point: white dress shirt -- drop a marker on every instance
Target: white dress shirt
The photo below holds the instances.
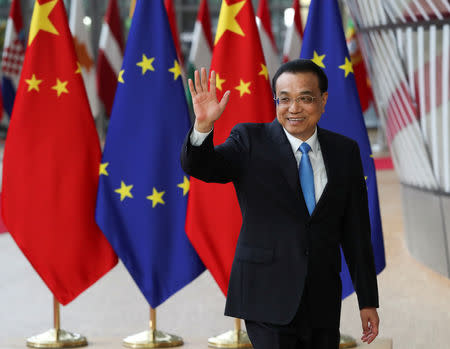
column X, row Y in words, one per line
column 315, row 156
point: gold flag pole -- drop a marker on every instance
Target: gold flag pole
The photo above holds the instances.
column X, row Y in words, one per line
column 56, row 337
column 236, row 338
column 132, row 7
column 347, row 341
column 152, row 338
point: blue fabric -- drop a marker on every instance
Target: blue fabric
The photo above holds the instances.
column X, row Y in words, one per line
column 148, row 124
column 306, row 175
column 324, row 34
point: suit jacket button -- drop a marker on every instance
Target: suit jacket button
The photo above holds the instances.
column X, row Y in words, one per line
column 306, row 252
column 308, row 225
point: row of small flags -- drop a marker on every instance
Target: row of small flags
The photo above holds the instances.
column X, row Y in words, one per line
column 72, row 210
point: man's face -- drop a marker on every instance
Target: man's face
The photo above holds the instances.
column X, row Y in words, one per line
column 297, row 117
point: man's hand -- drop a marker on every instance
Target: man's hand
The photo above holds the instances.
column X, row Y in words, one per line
column 370, row 322
column 206, row 107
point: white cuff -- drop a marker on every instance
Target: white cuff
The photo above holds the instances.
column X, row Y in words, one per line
column 197, row 138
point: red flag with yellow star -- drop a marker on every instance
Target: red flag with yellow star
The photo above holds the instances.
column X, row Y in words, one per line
column 51, row 163
column 214, row 218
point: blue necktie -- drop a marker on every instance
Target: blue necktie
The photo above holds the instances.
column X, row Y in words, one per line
column 307, row 177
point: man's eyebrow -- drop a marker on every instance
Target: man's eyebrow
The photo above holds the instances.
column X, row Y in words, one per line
column 307, row 92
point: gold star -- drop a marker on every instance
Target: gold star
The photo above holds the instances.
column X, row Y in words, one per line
column 318, row 60
column 146, row 64
column 103, row 169
column 78, row 71
column 156, row 197
column 347, row 67
column 120, row 77
column 219, row 82
column 185, row 185
column 365, row 177
column 60, row 87
column 176, row 70
column 227, row 19
column 124, row 191
column 243, row 87
column 264, row 71
column 40, row 20
column 33, row 83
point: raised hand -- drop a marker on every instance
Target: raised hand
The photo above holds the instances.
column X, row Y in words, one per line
column 206, row 107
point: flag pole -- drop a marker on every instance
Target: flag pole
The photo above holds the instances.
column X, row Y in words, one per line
column 152, row 338
column 236, row 338
column 56, row 337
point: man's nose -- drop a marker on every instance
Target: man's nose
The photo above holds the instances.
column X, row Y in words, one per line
column 295, row 107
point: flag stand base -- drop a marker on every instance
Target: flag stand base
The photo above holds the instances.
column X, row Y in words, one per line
column 152, row 339
column 54, row 338
column 230, row 339
column 346, row 342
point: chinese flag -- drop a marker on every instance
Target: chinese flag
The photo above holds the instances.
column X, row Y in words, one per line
column 214, row 218
column 51, row 163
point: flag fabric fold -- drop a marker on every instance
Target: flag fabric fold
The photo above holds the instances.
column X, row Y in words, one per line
column 142, row 196
column 267, row 39
column 170, row 8
column 294, row 35
column 83, row 47
column 324, row 43
column 110, row 56
column 51, row 163
column 13, row 55
column 245, row 75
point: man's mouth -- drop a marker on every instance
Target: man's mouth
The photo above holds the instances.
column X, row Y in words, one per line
column 296, row 119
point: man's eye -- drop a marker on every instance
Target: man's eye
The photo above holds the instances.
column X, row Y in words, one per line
column 306, row 99
column 285, row 100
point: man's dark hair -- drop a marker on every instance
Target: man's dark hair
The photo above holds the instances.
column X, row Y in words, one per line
column 302, row 66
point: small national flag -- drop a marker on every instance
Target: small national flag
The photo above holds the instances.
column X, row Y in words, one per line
column 82, row 42
column 13, row 55
column 294, row 35
column 110, row 56
column 202, row 44
column 142, row 196
column 324, row 43
column 245, row 75
column 267, row 38
column 51, row 163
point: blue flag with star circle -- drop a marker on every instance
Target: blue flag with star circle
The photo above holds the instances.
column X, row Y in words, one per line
column 324, row 43
column 142, row 193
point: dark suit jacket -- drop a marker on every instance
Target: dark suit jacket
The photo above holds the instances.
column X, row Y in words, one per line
column 281, row 248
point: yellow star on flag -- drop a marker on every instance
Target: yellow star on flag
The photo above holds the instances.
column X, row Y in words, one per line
column 40, row 20
column 33, row 83
column 219, row 82
column 120, row 77
column 227, row 19
column 102, row 170
column 60, row 87
column 124, row 191
column 185, row 185
column 264, row 71
column 146, row 63
column 244, row 87
column 78, row 71
column 318, row 59
column 347, row 67
column 176, row 70
column 365, row 177
column 156, row 197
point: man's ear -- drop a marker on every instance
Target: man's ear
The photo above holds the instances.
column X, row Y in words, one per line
column 324, row 100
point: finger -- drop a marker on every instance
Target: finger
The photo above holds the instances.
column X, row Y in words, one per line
column 223, row 102
column 191, row 88
column 198, row 86
column 212, row 83
column 204, row 80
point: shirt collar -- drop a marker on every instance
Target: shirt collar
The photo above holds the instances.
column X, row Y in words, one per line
column 296, row 142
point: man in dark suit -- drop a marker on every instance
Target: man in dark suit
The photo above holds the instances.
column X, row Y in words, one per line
column 302, row 195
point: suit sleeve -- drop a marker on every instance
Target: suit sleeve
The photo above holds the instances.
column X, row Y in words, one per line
column 356, row 242
column 220, row 164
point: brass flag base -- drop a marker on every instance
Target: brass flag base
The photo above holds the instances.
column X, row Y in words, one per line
column 152, row 339
column 57, row 339
column 346, row 342
column 230, row 339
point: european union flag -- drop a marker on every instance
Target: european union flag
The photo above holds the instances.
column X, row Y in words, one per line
column 324, row 43
column 142, row 195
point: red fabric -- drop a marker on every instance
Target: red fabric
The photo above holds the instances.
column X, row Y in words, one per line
column 263, row 14
column 298, row 17
column 16, row 14
column 213, row 217
column 384, row 163
column 204, row 18
column 174, row 28
column 106, row 77
column 51, row 167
